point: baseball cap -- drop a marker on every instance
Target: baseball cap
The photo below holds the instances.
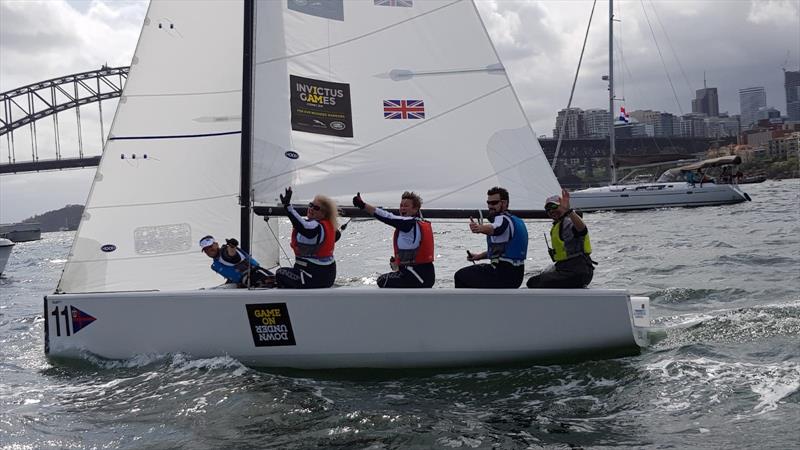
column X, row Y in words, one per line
column 552, row 200
column 206, row 241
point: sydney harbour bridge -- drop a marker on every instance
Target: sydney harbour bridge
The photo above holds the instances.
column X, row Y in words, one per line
column 30, row 146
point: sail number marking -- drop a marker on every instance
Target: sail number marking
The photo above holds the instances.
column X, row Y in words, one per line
column 65, row 313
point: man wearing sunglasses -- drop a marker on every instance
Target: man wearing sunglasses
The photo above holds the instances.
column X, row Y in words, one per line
column 507, row 248
column 573, row 267
column 412, row 263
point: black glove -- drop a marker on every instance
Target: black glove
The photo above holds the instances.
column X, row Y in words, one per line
column 232, row 242
column 358, row 203
column 286, row 199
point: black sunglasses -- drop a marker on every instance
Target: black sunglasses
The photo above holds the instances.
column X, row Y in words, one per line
column 492, row 202
column 314, row 207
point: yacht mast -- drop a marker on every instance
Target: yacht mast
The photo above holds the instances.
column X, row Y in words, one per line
column 247, row 112
column 612, row 146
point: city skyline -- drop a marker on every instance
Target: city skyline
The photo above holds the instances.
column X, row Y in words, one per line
column 538, row 41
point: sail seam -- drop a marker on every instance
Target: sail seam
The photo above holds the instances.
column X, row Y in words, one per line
column 356, row 38
column 84, row 261
column 175, row 136
column 364, row 147
column 175, row 202
column 184, row 94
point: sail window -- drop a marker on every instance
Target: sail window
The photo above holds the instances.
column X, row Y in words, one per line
column 158, row 239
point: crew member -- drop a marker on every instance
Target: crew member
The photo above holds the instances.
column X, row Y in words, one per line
column 313, row 239
column 507, row 242
column 571, row 250
column 235, row 264
column 412, row 263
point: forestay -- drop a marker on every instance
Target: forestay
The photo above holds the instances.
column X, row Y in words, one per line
column 382, row 97
column 170, row 168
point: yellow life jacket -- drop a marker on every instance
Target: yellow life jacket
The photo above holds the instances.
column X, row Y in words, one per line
column 582, row 246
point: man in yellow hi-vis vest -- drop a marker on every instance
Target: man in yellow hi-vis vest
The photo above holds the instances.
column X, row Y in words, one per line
column 571, row 250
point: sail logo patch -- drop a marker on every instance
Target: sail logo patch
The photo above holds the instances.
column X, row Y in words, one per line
column 270, row 324
column 400, row 3
column 80, row 319
column 403, row 109
column 108, row 248
column 292, row 155
column 327, row 9
column 320, row 107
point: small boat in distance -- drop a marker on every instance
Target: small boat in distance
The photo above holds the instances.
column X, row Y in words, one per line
column 21, row 232
column 673, row 188
column 5, row 252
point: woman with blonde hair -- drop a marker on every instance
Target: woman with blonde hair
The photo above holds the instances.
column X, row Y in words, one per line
column 313, row 239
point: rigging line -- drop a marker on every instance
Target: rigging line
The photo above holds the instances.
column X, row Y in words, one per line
column 661, row 56
column 175, row 202
column 356, row 38
column 184, row 94
column 669, row 41
column 643, row 97
column 366, row 146
column 572, row 92
column 280, row 246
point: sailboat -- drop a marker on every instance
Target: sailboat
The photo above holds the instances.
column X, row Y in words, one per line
column 228, row 103
column 675, row 193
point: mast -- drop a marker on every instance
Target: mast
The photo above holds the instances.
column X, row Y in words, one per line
column 612, row 146
column 247, row 110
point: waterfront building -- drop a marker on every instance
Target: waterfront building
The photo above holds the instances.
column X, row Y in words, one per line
column 791, row 82
column 750, row 99
column 572, row 121
column 706, row 102
column 595, row 123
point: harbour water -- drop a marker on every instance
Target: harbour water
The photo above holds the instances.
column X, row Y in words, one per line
column 723, row 370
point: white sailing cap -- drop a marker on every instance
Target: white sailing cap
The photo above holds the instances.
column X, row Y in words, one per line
column 553, row 199
column 206, row 241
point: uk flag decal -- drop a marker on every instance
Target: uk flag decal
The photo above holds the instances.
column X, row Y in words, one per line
column 403, row 109
column 80, row 319
column 400, row 3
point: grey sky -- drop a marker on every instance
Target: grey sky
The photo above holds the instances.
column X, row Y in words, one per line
column 738, row 43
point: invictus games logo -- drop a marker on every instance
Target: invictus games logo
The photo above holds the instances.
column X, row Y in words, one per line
column 321, row 107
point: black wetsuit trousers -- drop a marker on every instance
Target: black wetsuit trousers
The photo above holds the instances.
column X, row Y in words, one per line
column 502, row 275
column 306, row 275
column 571, row 274
column 406, row 278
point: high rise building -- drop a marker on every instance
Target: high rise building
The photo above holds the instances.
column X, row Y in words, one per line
column 750, row 100
column 596, row 122
column 791, row 81
column 661, row 122
column 706, row 102
column 572, row 122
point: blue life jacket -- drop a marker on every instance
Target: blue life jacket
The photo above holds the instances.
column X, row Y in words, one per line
column 516, row 249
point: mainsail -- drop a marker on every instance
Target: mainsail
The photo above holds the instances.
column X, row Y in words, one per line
column 382, row 97
column 170, row 168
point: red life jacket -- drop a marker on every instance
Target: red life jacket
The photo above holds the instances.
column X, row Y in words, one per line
column 422, row 254
column 322, row 249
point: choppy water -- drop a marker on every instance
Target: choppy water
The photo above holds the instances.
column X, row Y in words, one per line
column 725, row 288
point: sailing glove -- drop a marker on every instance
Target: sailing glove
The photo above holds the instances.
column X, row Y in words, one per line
column 357, row 202
column 286, row 199
column 232, row 242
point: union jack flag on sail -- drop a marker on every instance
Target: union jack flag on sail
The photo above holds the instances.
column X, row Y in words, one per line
column 401, row 3
column 403, row 109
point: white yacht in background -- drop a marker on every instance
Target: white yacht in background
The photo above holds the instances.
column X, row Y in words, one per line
column 674, row 193
column 670, row 190
column 5, row 252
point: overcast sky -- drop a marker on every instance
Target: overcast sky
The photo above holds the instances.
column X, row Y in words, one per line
column 737, row 43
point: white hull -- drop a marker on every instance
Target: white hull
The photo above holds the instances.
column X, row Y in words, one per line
column 350, row 327
column 5, row 253
column 655, row 195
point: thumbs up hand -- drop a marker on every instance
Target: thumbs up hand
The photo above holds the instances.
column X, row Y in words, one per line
column 473, row 226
